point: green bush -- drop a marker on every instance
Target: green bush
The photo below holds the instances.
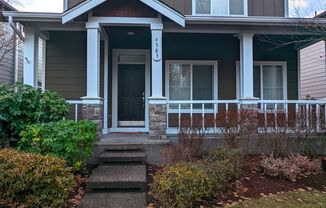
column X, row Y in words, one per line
column 70, row 140
column 181, row 186
column 31, row 180
column 223, row 166
column 22, row 105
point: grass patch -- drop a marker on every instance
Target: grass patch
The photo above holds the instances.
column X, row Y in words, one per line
column 304, row 199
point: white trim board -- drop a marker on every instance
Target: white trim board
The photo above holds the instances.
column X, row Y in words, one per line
column 129, row 52
column 154, row 4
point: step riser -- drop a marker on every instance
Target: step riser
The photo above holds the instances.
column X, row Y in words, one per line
column 118, row 186
column 141, row 160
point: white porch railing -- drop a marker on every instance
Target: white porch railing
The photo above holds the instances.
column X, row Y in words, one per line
column 75, row 109
column 216, row 114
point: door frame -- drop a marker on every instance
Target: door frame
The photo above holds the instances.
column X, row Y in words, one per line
column 115, row 54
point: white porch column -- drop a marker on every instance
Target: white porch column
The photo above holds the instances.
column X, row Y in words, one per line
column 30, row 56
column 157, row 63
column 246, row 66
column 93, row 65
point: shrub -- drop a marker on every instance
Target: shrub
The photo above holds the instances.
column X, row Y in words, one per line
column 223, row 166
column 289, row 168
column 181, row 186
column 31, row 180
column 22, row 105
column 70, row 140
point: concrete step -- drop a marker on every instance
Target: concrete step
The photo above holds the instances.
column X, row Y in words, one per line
column 114, row 200
column 122, row 157
column 118, row 177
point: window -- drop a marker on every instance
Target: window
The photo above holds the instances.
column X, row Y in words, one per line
column 191, row 80
column 220, row 7
column 270, row 80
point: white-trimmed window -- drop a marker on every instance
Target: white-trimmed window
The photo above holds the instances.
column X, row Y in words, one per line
column 270, row 80
column 191, row 80
column 220, row 7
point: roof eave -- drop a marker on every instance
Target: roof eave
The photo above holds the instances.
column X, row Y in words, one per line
column 33, row 16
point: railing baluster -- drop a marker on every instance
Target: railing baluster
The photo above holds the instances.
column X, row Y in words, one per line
column 227, row 113
column 76, row 112
column 275, row 115
column 191, row 114
column 318, row 117
column 307, row 116
column 167, row 115
column 286, row 105
column 239, row 116
column 215, row 112
column 265, row 116
column 179, row 115
column 297, row 116
column 203, row 115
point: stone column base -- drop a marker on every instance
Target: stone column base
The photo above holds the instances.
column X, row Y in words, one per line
column 249, row 117
column 157, row 118
column 94, row 112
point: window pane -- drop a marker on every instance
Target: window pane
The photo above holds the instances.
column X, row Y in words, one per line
column 220, row 7
column 203, row 6
column 257, row 92
column 202, row 82
column 273, row 82
column 236, row 7
column 179, row 84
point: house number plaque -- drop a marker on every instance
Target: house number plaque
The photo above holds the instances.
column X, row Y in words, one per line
column 157, row 50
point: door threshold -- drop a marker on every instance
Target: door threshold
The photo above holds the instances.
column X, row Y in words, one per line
column 129, row 130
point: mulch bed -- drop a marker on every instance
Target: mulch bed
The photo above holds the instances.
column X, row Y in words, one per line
column 253, row 184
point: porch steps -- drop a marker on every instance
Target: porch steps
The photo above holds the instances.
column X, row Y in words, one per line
column 124, row 156
column 120, row 181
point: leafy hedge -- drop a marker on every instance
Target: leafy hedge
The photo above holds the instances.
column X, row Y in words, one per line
column 70, row 140
column 22, row 105
column 31, row 180
column 181, row 186
column 184, row 184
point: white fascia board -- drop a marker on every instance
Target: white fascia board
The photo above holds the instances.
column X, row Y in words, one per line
column 254, row 20
column 80, row 9
column 166, row 11
column 33, row 16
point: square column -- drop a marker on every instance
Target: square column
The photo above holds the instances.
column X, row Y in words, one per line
column 93, row 65
column 246, row 66
column 157, row 62
column 31, row 47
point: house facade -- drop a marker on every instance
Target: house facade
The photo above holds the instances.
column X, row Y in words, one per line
column 139, row 65
column 11, row 53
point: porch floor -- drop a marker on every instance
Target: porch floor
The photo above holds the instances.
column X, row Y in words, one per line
column 129, row 138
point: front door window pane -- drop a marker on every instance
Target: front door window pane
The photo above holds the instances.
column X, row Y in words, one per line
column 236, row 7
column 179, row 85
column 220, row 7
column 273, row 82
column 203, row 6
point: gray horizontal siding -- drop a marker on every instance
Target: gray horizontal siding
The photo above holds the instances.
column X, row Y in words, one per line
column 313, row 71
column 7, row 64
column 66, row 64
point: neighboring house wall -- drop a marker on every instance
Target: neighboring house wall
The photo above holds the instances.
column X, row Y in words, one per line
column 313, row 71
column 11, row 66
column 255, row 7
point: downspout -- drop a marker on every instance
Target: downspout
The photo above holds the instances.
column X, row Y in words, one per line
column 13, row 26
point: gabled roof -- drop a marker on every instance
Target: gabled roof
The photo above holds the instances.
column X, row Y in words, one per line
column 5, row 6
column 321, row 15
column 154, row 4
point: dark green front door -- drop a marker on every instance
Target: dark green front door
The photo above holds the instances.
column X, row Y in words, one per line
column 131, row 94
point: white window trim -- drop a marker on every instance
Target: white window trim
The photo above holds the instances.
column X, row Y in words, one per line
column 192, row 62
column 262, row 63
column 245, row 7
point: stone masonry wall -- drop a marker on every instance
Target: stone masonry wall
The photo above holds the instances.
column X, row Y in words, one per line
column 157, row 121
column 93, row 112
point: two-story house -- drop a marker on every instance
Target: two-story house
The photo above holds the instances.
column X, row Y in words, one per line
column 139, row 65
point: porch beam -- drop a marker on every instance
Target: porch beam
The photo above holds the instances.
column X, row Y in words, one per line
column 93, row 65
column 157, row 63
column 246, row 66
column 31, row 46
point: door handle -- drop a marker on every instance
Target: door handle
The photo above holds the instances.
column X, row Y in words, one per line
column 143, row 99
